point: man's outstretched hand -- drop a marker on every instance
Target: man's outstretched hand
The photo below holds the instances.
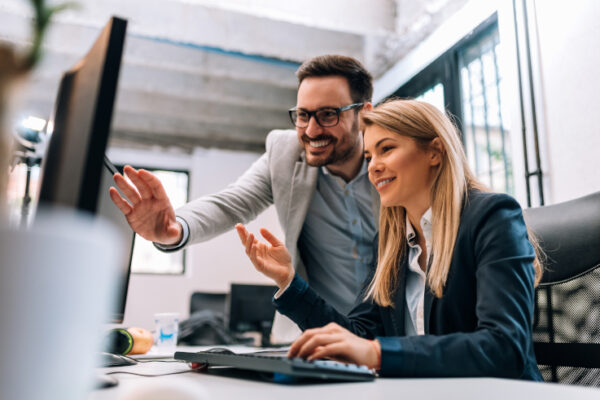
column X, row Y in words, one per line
column 146, row 206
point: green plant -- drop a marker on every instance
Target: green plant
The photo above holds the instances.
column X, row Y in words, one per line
column 43, row 15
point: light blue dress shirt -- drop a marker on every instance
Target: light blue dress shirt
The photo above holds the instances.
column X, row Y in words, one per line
column 336, row 242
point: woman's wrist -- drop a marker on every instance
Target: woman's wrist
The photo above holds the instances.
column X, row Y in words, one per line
column 377, row 350
column 286, row 282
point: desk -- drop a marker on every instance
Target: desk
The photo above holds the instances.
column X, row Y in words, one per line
column 223, row 387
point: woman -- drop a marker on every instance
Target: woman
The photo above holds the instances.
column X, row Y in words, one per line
column 453, row 290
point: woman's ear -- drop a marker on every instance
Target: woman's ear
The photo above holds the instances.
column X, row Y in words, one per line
column 436, row 151
column 368, row 106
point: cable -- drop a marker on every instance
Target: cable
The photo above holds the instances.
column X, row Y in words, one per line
column 156, row 375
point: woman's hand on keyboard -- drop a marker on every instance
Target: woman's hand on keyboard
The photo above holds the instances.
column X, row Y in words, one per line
column 337, row 343
column 271, row 259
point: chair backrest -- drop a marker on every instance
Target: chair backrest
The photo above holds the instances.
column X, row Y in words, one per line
column 208, row 301
column 567, row 311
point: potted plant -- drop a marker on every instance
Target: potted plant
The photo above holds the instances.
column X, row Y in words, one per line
column 15, row 68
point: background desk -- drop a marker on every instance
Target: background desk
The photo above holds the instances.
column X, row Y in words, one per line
column 222, row 387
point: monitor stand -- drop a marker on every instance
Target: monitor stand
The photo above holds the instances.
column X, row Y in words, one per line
column 265, row 333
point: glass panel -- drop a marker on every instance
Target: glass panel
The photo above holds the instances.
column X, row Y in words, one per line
column 146, row 258
column 486, row 133
column 434, row 95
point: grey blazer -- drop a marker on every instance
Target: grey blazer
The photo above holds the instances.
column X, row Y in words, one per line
column 281, row 177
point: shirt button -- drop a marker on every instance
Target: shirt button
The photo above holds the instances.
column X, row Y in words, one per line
column 354, row 222
column 346, row 192
column 354, row 252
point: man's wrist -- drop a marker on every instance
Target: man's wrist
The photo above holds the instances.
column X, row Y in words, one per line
column 185, row 235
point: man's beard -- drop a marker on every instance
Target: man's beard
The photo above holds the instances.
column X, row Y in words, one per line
column 340, row 153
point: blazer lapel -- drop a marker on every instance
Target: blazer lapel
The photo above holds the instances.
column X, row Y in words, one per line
column 303, row 186
column 427, row 305
column 397, row 313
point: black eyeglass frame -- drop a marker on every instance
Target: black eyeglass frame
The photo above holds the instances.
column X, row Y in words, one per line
column 313, row 114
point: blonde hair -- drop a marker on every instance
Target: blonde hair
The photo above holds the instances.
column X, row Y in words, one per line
column 423, row 123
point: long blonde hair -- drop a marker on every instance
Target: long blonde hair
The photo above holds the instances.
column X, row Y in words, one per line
column 423, row 123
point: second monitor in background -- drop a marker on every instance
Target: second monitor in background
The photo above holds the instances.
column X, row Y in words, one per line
column 251, row 309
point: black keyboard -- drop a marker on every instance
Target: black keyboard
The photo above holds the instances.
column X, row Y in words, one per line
column 281, row 365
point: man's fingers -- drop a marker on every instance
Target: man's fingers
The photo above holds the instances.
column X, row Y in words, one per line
column 128, row 190
column 121, row 203
column 269, row 237
column 139, row 183
column 154, row 184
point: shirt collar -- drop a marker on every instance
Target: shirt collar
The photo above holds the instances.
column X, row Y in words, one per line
column 425, row 226
column 364, row 169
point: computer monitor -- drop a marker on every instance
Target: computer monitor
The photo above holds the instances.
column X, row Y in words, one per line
column 73, row 170
column 251, row 309
column 72, row 167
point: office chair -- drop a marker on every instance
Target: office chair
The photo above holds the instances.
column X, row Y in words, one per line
column 208, row 301
column 567, row 312
column 206, row 324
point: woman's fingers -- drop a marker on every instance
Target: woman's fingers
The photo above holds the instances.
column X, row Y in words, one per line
column 269, row 237
column 318, row 340
column 298, row 348
column 303, row 339
column 249, row 243
column 242, row 233
column 335, row 350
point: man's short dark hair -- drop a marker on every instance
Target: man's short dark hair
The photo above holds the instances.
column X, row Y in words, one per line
column 359, row 79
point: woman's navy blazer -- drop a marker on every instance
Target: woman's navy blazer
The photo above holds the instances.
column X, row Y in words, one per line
column 482, row 324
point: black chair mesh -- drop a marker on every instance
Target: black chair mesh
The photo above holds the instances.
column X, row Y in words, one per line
column 569, row 312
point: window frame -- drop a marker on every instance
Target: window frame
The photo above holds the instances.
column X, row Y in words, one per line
column 445, row 70
column 152, row 169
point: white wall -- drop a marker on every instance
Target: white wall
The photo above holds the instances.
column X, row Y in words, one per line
column 569, row 58
column 210, row 266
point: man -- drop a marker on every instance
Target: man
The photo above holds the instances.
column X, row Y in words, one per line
column 317, row 180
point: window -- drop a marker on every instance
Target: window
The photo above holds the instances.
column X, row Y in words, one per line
column 434, row 95
column 146, row 259
column 465, row 82
column 484, row 132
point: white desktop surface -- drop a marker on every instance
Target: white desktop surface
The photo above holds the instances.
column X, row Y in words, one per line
column 223, row 387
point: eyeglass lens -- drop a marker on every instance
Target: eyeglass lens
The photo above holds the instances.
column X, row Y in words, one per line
column 324, row 117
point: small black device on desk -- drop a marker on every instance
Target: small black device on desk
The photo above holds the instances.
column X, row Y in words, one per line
column 282, row 368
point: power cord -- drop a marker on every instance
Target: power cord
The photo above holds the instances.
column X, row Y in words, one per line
column 193, row 368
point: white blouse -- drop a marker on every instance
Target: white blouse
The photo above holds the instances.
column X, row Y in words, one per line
column 415, row 278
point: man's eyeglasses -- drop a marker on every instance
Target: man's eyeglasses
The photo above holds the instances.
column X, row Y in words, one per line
column 326, row 117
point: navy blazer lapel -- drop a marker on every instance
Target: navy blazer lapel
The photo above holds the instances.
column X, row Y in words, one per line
column 427, row 305
column 397, row 313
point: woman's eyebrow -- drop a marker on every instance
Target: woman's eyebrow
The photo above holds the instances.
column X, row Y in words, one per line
column 381, row 141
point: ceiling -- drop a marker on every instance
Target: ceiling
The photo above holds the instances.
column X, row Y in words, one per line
column 216, row 73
